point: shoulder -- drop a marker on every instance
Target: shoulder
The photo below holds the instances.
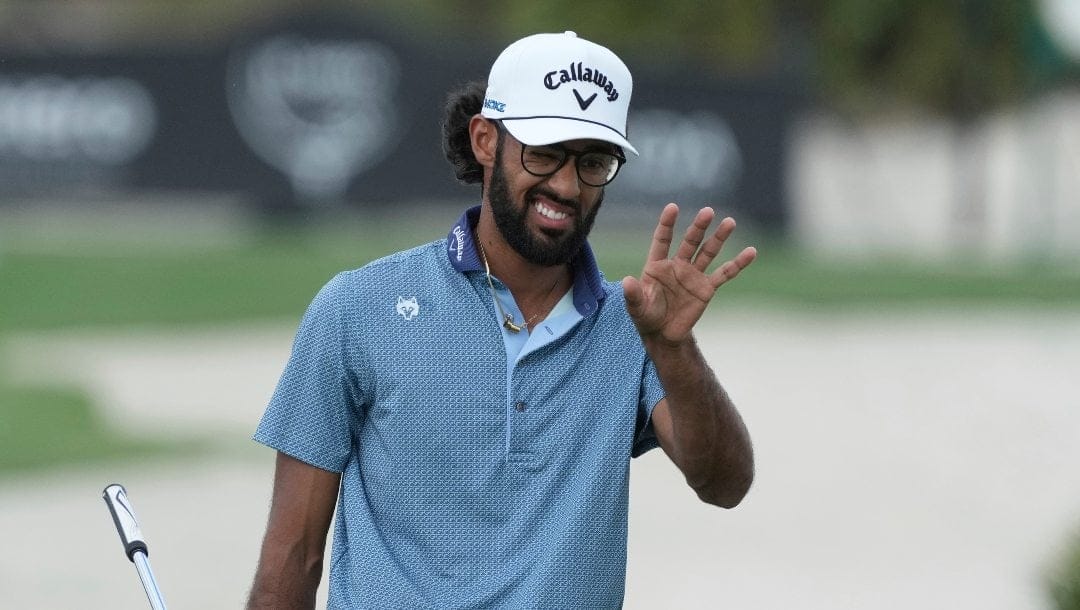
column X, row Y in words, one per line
column 348, row 291
column 416, row 277
column 429, row 258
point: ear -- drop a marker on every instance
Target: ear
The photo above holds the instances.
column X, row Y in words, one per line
column 484, row 137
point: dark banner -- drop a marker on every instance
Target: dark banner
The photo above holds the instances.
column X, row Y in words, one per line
column 324, row 111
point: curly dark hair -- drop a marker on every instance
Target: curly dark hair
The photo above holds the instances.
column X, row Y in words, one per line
column 461, row 104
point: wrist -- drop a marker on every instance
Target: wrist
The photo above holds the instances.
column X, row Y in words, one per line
column 658, row 345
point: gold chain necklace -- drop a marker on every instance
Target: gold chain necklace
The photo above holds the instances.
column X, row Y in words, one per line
column 508, row 319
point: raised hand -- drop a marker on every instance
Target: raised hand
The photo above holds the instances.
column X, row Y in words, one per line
column 672, row 293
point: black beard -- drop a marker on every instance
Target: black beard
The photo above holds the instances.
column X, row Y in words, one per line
column 511, row 221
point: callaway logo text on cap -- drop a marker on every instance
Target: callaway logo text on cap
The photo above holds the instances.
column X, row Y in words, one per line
column 553, row 79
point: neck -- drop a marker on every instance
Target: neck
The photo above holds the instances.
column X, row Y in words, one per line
column 527, row 281
column 528, row 322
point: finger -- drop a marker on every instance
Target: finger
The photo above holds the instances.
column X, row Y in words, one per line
column 665, row 229
column 695, row 233
column 633, row 294
column 729, row 270
column 712, row 247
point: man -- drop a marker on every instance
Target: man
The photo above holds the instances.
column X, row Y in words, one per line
column 477, row 400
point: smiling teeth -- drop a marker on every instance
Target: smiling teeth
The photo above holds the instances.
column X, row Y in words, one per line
column 547, row 212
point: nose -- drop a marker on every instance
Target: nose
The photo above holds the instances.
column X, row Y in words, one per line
column 565, row 182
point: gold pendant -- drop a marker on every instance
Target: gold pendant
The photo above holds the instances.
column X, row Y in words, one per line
column 508, row 324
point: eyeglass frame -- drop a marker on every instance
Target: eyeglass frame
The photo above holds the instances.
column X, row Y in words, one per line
column 617, row 153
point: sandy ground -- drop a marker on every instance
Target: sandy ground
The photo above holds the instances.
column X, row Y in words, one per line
column 917, row 460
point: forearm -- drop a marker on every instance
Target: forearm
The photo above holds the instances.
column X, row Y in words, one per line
column 291, row 560
column 287, row 577
column 705, row 436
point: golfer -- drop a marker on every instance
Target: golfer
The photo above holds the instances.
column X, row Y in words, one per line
column 470, row 406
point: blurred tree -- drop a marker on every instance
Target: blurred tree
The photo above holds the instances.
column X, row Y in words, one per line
column 959, row 58
column 956, row 57
column 734, row 36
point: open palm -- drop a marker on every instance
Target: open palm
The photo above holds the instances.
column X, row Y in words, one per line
column 672, row 293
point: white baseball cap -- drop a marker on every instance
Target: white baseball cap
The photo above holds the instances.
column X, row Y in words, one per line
column 549, row 88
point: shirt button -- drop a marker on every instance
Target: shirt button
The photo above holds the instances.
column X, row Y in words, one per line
column 520, row 406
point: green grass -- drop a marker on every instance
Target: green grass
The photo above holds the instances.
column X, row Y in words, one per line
column 276, row 276
column 47, row 427
column 56, row 290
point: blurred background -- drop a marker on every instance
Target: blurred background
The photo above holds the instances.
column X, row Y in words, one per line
column 178, row 179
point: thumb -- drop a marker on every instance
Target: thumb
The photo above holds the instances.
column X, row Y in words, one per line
column 633, row 294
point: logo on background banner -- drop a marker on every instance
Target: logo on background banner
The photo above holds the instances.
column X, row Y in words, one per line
column 321, row 111
column 683, row 151
column 408, row 308
column 93, row 120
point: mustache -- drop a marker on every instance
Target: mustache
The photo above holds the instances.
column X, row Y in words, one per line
column 538, row 191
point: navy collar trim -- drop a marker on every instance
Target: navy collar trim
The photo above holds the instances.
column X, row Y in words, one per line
column 464, row 256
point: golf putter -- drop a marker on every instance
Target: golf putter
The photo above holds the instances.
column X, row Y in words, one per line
column 131, row 537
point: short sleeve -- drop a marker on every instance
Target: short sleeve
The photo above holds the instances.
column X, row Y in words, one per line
column 311, row 409
column 652, row 392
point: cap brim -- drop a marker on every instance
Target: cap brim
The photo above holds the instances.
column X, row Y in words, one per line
column 538, row 131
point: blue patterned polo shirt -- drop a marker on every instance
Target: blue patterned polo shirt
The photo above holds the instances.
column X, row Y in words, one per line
column 478, row 470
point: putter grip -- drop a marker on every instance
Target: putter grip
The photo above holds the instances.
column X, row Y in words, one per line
column 124, row 517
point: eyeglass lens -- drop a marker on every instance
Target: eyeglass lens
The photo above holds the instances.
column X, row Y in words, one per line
column 594, row 168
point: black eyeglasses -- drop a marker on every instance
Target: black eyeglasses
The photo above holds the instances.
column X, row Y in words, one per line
column 594, row 168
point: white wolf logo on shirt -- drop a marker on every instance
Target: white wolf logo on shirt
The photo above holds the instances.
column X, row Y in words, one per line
column 408, row 308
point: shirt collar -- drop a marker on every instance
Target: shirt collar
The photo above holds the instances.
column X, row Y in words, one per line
column 462, row 252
